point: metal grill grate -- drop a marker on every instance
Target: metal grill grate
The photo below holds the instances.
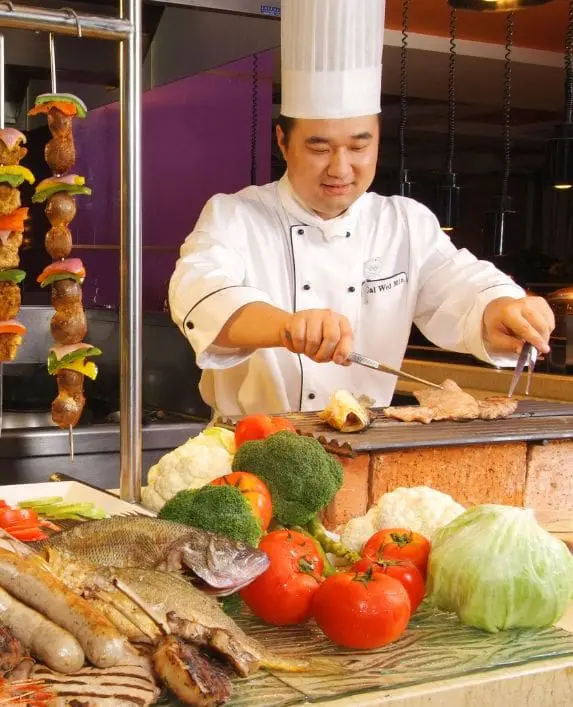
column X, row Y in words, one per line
column 534, row 420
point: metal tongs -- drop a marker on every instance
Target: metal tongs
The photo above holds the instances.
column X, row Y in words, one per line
column 370, row 363
column 527, row 357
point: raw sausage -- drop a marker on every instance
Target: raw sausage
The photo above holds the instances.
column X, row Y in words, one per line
column 26, row 580
column 55, row 647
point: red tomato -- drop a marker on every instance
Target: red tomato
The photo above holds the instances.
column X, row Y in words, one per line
column 361, row 611
column 3, row 504
column 255, row 492
column 260, row 427
column 283, row 594
column 13, row 516
column 406, row 573
column 398, row 544
column 27, row 535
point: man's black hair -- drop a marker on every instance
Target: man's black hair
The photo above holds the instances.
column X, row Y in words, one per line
column 286, row 125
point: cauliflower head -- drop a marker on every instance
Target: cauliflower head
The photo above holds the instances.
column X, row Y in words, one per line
column 420, row 509
column 194, row 464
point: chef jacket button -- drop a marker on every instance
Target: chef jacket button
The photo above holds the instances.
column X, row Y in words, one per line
column 190, row 325
column 352, row 288
column 311, row 396
column 306, row 287
column 300, row 231
column 348, row 234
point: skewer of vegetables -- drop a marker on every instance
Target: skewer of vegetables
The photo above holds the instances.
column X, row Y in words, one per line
column 67, row 360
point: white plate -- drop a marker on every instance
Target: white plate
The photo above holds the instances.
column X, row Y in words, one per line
column 71, row 492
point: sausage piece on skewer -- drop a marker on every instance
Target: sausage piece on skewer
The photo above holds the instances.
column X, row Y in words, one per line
column 69, row 364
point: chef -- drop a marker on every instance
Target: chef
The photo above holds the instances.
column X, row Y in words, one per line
column 277, row 284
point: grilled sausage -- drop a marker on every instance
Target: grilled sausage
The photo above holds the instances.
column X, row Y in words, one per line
column 10, row 300
column 59, row 123
column 55, row 647
column 58, row 242
column 69, row 325
column 61, row 209
column 9, row 199
column 67, row 408
column 60, row 154
column 29, row 582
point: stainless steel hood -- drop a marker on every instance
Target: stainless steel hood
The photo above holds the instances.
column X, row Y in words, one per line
column 261, row 8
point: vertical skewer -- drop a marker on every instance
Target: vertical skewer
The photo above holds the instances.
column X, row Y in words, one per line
column 54, row 90
column 2, row 126
column 52, row 62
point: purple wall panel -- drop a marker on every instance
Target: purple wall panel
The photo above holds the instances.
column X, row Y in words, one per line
column 196, row 136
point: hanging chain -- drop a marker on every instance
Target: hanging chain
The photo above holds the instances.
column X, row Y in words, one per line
column 569, row 66
column 452, row 90
column 403, row 83
column 507, row 104
column 254, row 118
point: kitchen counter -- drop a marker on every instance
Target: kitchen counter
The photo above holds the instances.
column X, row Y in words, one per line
column 541, row 683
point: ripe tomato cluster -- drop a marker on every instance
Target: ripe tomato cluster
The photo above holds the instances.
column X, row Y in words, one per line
column 365, row 607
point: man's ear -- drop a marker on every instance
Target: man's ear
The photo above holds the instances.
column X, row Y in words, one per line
column 281, row 141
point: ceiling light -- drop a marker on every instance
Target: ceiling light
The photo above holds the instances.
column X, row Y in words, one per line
column 495, row 5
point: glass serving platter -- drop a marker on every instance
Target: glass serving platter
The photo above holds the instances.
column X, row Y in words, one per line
column 436, row 646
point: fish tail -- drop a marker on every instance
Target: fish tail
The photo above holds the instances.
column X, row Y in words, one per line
column 290, row 664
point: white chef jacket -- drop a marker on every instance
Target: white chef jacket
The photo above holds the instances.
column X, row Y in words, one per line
column 384, row 264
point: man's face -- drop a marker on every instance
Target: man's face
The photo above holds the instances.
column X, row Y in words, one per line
column 331, row 163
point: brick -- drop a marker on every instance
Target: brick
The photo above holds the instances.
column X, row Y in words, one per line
column 352, row 499
column 549, row 482
column 477, row 474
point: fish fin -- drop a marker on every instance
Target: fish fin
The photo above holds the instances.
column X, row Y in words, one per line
column 159, row 620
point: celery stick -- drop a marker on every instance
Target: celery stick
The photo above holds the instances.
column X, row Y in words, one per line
column 52, row 500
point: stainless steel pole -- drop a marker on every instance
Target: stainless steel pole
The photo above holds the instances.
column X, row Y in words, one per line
column 130, row 256
column 63, row 22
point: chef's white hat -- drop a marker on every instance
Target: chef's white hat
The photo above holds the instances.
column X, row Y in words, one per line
column 331, row 57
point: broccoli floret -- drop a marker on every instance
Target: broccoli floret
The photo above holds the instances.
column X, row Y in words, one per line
column 220, row 509
column 302, row 477
column 232, row 605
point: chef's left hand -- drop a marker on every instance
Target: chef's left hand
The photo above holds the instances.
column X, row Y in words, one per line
column 508, row 323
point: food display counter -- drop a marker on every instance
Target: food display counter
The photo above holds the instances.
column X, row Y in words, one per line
column 437, row 661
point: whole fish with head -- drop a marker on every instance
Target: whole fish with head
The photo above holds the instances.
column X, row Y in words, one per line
column 224, row 565
column 182, row 610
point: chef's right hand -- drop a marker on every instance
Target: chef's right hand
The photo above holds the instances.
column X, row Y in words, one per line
column 320, row 334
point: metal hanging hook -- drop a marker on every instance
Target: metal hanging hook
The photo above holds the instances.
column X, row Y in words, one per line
column 74, row 14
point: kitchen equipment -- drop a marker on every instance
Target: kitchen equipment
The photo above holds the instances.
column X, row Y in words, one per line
column 527, row 357
column 561, row 341
column 375, row 365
